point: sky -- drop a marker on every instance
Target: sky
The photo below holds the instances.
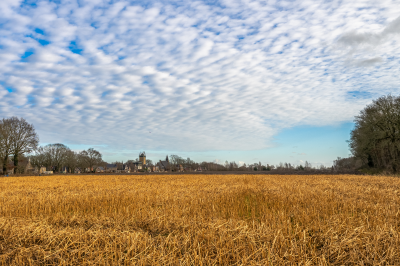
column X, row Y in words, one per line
column 237, row 80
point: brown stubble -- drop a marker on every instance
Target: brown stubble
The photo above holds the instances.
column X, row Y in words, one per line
column 200, row 220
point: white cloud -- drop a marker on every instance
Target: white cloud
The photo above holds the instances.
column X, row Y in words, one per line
column 198, row 77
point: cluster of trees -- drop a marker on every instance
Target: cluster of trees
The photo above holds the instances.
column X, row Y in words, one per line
column 56, row 156
column 175, row 160
column 375, row 140
column 17, row 137
column 345, row 164
column 307, row 167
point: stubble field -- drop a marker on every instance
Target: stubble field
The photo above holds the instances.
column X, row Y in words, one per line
column 200, row 220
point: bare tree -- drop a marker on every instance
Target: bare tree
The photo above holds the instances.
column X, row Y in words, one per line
column 226, row 165
column 82, row 161
column 175, row 160
column 23, row 136
column 5, row 142
column 71, row 160
column 91, row 157
column 307, row 166
column 55, row 155
column 39, row 159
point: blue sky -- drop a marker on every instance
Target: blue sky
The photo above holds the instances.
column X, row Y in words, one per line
column 243, row 81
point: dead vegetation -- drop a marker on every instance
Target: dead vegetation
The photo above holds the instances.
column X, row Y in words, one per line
column 200, row 220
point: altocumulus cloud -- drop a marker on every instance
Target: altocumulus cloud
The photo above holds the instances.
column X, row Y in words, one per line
column 192, row 75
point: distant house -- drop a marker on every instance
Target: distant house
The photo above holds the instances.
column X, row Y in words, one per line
column 164, row 166
column 179, row 168
column 41, row 170
column 111, row 168
column 64, row 170
column 99, row 169
column 134, row 166
column 24, row 166
column 200, row 169
column 28, row 168
column 138, row 165
column 123, row 168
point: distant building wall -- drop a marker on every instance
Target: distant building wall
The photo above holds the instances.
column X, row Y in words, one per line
column 142, row 158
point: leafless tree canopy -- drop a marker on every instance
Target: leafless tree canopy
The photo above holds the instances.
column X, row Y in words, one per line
column 56, row 156
column 17, row 137
column 71, row 160
column 40, row 158
column 5, row 142
column 91, row 157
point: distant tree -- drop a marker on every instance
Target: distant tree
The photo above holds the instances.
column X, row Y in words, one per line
column 226, row 165
column 38, row 159
column 71, row 160
column 350, row 163
column 307, row 166
column 90, row 158
column 189, row 162
column 235, row 166
column 55, row 155
column 175, row 160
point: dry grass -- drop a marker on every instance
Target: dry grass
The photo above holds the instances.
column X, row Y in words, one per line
column 200, row 220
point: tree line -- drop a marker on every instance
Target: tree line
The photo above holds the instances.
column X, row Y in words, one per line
column 19, row 140
column 234, row 166
column 56, row 156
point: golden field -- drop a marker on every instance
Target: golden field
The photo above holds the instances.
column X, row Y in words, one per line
column 200, row 220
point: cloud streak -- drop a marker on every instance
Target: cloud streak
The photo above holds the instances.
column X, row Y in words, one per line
column 355, row 39
column 198, row 76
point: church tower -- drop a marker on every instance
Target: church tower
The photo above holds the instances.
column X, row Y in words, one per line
column 166, row 159
column 142, row 157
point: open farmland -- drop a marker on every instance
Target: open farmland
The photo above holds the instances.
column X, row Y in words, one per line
column 200, row 220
